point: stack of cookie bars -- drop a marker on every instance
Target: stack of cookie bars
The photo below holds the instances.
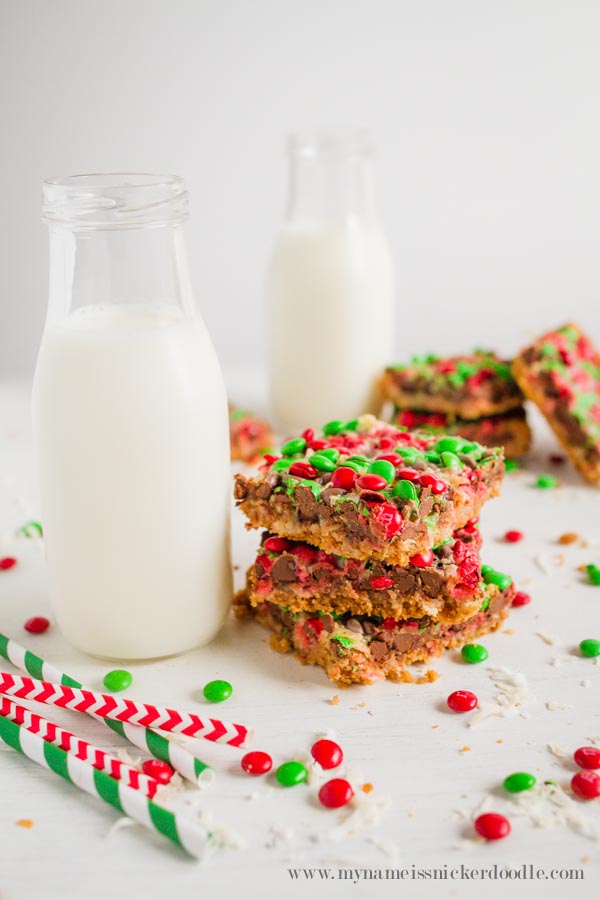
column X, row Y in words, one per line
column 370, row 558
column 475, row 396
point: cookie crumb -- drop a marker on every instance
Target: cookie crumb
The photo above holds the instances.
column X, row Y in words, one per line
column 367, row 787
column 464, row 749
column 24, row 823
column 585, row 859
column 509, row 631
column 435, row 726
column 334, row 700
column 499, row 741
column 569, row 537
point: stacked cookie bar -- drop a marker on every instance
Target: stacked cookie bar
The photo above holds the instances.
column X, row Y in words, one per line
column 370, row 556
column 475, row 396
column 560, row 373
column 249, row 436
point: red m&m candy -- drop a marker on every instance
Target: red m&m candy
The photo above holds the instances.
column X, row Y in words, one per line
column 587, row 757
column 7, row 562
column 513, row 537
column 158, row 769
column 492, row 826
column 371, row 483
column 344, row 477
column 586, row 785
column 422, row 560
column 257, row 762
column 335, row 793
column 37, row 625
column 276, row 544
column 327, row 753
column 462, row 701
column 302, row 470
column 387, row 516
column 521, row 599
column 381, row 582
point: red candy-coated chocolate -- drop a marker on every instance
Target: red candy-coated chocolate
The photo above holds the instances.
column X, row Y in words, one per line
column 557, row 459
column 344, row 477
column 371, row 483
column 387, row 516
column 462, row 701
column 586, row 785
column 7, row 562
column 381, row 582
column 408, row 474
column 492, row 826
column 302, row 470
column 389, row 623
column 318, row 444
column 270, row 458
column 587, row 757
column 422, row 560
column 393, row 458
column 158, row 769
column 276, row 544
column 327, row 753
column 257, row 762
column 521, row 599
column 265, row 561
column 436, row 485
column 385, row 443
column 303, row 551
column 335, row 793
column 308, row 435
column 473, row 521
column 513, row 537
column 315, row 625
column 37, row 625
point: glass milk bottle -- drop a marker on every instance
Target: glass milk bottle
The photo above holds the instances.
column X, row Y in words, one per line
column 330, row 290
column 130, row 423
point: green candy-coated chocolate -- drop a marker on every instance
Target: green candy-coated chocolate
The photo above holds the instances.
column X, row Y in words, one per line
column 352, row 464
column 409, row 454
column 281, row 465
column 117, row 680
column 296, row 445
column 217, row 691
column 291, row 773
column 450, row 444
column 333, row 427
column 474, row 653
column 451, row 461
column 473, row 449
column 351, row 426
column 383, row 468
column 593, row 573
column 546, row 481
column 331, row 453
column 590, row 647
column 511, row 465
column 405, row 489
column 432, row 456
column 323, row 463
column 357, row 458
column 492, row 576
column 519, row 781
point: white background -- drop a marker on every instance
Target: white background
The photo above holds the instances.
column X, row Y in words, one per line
column 485, row 115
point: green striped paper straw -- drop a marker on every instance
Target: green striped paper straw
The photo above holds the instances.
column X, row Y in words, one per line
column 181, row 759
column 133, row 803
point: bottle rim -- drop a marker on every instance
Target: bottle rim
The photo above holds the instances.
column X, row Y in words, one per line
column 114, row 200
column 314, row 144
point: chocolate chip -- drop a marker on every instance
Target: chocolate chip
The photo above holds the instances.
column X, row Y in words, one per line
column 307, row 505
column 378, row 649
column 284, row 569
column 406, row 582
column 354, row 625
column 328, row 622
column 432, row 582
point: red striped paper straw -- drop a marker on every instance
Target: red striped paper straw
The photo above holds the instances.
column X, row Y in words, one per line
column 123, row 710
column 97, row 758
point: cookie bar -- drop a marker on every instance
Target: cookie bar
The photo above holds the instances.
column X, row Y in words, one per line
column 366, row 489
column 354, row 649
column 509, row 430
column 560, row 373
column 250, row 437
column 445, row 584
column 462, row 387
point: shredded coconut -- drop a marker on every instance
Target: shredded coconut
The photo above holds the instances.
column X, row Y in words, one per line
column 513, row 694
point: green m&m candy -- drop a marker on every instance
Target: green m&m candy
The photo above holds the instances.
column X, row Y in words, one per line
column 321, row 462
column 117, row 680
column 492, row 576
column 217, row 691
column 333, row 427
column 590, row 647
column 410, row 455
column 546, row 481
column 281, row 465
column 290, row 773
column 384, row 468
column 474, row 653
column 450, row 444
column 405, row 489
column 511, row 465
column 450, row 460
column 519, row 781
column 296, row 445
column 593, row 573
column 331, row 453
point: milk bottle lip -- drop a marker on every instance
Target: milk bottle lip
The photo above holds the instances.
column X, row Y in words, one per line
column 331, row 143
column 114, row 200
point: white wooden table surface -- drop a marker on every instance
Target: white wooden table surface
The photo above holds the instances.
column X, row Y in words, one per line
column 401, row 738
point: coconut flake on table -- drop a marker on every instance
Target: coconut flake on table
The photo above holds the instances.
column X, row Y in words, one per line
column 364, row 811
column 513, row 694
column 548, row 638
column 387, row 846
column 548, row 806
column 541, row 561
column 555, row 706
column 559, row 751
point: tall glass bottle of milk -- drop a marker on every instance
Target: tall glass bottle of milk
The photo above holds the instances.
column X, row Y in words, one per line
column 130, row 422
column 331, row 288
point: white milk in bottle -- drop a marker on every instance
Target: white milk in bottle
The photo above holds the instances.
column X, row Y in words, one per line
column 331, row 289
column 131, row 427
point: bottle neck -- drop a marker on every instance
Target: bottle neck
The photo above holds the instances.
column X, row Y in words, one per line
column 129, row 266
column 330, row 185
